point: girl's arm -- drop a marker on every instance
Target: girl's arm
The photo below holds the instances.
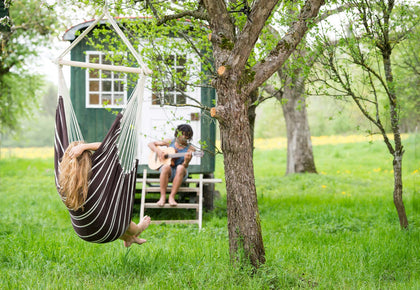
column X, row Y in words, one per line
column 76, row 151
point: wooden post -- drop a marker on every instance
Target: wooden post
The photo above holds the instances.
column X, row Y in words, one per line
column 200, row 203
column 143, row 193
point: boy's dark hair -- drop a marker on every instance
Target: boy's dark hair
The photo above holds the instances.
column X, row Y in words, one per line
column 184, row 129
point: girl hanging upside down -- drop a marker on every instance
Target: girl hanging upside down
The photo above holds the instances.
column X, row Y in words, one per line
column 74, row 181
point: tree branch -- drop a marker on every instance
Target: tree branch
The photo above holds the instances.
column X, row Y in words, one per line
column 331, row 12
column 197, row 14
column 265, row 68
column 250, row 33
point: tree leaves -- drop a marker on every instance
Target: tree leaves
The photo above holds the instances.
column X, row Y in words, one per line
column 31, row 25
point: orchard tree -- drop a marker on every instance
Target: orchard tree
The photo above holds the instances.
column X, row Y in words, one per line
column 361, row 66
column 25, row 29
column 236, row 79
column 290, row 92
column 291, row 95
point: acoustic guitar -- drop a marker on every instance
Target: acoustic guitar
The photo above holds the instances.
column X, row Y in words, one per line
column 155, row 163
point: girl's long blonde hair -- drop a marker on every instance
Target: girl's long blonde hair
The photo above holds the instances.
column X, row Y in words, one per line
column 74, row 177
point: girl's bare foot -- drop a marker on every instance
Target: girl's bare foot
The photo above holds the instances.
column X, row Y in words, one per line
column 133, row 240
column 143, row 224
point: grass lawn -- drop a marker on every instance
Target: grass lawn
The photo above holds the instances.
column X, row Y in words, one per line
column 334, row 230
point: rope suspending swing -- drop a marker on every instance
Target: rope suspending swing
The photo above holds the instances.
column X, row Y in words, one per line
column 108, row 208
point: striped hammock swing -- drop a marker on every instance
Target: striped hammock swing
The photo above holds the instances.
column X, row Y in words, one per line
column 108, row 208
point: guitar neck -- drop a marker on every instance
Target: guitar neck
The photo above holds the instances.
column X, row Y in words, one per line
column 176, row 155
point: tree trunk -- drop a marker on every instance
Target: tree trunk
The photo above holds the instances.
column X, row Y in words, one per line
column 398, row 190
column 234, row 83
column 252, row 115
column 245, row 238
column 300, row 157
column 395, row 124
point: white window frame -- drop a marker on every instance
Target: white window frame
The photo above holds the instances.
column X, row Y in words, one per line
column 113, row 94
column 174, row 93
column 188, row 91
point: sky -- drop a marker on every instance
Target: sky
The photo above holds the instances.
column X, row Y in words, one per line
column 44, row 64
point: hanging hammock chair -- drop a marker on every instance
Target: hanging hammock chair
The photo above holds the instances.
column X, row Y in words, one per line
column 107, row 211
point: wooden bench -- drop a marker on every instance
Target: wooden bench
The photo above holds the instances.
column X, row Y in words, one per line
column 152, row 185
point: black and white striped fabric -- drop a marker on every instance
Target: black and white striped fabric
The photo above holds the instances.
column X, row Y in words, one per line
column 107, row 211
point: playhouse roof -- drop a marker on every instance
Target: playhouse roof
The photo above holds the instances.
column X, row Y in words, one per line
column 70, row 33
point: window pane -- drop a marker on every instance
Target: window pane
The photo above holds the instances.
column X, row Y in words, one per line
column 118, row 99
column 169, row 60
column 155, row 99
column 169, row 88
column 181, row 74
column 169, row 98
column 155, row 92
column 106, row 61
column 94, row 99
column 181, row 71
column 118, row 86
column 106, row 86
column 182, row 86
column 118, row 75
column 118, row 60
column 94, row 86
column 93, row 73
column 180, row 99
column 181, row 60
column 106, row 99
column 106, row 74
column 94, row 58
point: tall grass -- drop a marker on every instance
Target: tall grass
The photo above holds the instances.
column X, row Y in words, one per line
column 334, row 230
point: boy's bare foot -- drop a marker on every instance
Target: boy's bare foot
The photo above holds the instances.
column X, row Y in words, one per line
column 172, row 201
column 143, row 224
column 161, row 202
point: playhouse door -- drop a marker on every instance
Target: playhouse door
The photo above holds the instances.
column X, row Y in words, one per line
column 159, row 121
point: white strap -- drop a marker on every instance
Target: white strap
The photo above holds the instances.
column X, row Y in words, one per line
column 80, row 37
column 144, row 69
column 73, row 130
column 143, row 66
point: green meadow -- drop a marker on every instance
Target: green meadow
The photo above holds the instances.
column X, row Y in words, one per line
column 334, row 230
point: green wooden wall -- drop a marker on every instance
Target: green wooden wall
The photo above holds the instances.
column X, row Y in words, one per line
column 95, row 122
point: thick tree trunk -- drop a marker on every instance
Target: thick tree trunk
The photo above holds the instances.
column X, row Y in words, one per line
column 300, row 157
column 245, row 237
column 234, row 83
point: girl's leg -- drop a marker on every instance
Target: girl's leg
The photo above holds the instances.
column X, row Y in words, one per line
column 136, row 229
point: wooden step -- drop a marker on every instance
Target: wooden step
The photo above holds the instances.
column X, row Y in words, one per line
column 147, row 187
column 180, row 205
column 181, row 189
column 175, row 222
column 157, row 180
column 188, row 180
